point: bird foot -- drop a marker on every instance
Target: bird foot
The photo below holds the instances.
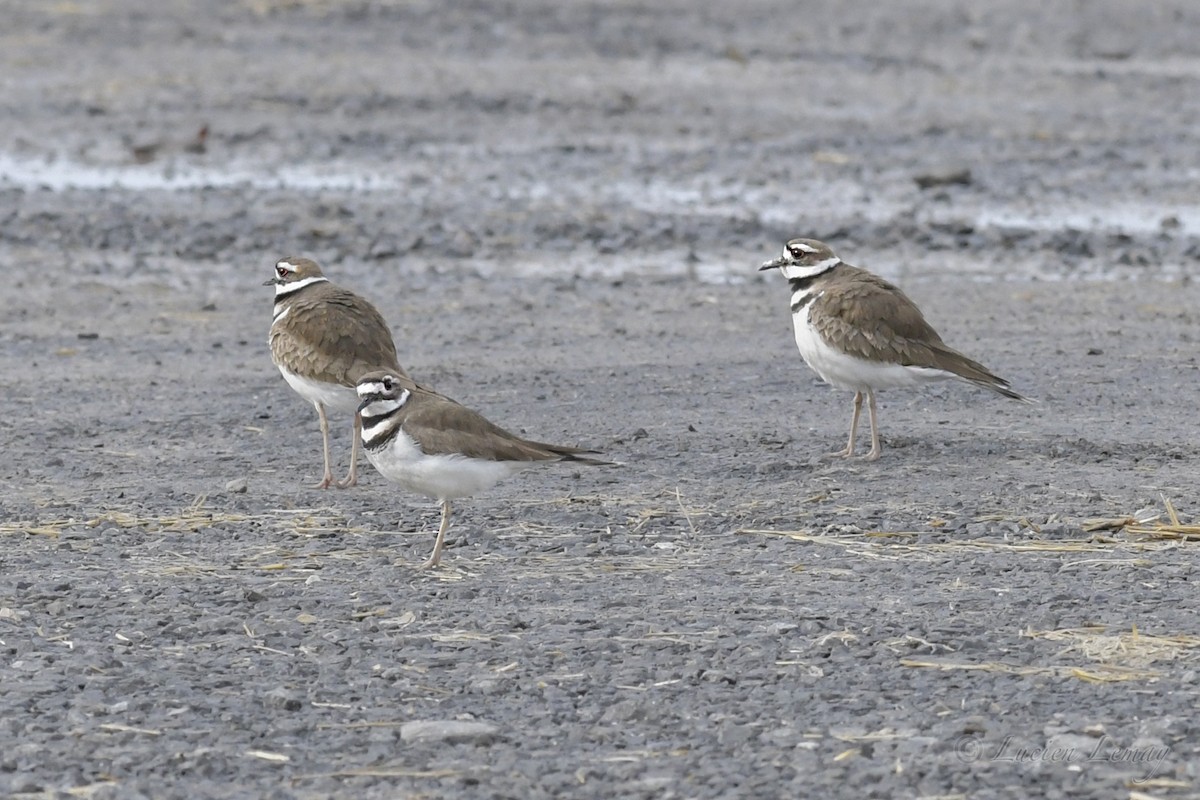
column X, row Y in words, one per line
column 872, row 455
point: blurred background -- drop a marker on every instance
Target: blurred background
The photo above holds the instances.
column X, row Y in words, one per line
column 586, row 138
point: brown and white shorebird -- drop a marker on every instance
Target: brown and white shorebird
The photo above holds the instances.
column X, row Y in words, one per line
column 323, row 339
column 431, row 445
column 861, row 333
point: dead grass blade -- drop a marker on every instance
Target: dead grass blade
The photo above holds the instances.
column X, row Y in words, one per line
column 381, row 772
column 1100, row 673
column 1131, row 648
column 877, row 544
column 1143, row 531
column 1115, row 656
column 1149, row 524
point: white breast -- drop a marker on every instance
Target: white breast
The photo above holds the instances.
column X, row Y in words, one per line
column 333, row 396
column 850, row 372
column 442, row 476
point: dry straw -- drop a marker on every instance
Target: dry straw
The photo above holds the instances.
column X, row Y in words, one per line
column 1148, row 523
column 1145, row 530
column 1113, row 656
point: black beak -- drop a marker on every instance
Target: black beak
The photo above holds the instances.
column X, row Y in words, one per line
column 365, row 400
column 775, row 263
column 272, row 281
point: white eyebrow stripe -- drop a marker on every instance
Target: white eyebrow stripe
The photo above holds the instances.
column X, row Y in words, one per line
column 373, row 387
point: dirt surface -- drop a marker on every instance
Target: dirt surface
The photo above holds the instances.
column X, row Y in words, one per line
column 560, row 207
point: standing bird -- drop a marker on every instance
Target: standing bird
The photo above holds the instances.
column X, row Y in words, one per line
column 323, row 339
column 861, row 333
column 431, row 445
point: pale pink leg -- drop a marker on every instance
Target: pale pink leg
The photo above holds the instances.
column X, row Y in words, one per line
column 436, row 558
column 875, row 448
column 352, row 476
column 849, row 450
column 327, row 478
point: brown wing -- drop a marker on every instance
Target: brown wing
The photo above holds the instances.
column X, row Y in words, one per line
column 441, row 426
column 334, row 336
column 871, row 318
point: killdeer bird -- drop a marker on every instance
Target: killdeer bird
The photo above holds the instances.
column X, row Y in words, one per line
column 323, row 339
column 861, row 333
column 431, row 445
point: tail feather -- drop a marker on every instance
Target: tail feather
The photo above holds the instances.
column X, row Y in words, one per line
column 974, row 372
column 1000, row 387
column 578, row 455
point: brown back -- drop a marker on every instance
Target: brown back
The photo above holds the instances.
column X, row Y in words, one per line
column 332, row 335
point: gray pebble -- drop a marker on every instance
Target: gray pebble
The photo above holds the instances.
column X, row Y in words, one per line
column 448, row 730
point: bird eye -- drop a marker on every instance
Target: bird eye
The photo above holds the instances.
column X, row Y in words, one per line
column 387, row 383
column 281, row 271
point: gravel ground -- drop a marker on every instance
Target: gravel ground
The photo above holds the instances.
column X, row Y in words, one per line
column 560, row 207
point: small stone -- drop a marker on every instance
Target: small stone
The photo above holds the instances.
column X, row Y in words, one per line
column 448, row 730
column 237, row 486
column 282, row 698
column 960, row 176
column 25, row 784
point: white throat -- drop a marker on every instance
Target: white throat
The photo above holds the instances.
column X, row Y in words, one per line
column 796, row 272
column 385, row 405
column 283, row 289
column 377, row 417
